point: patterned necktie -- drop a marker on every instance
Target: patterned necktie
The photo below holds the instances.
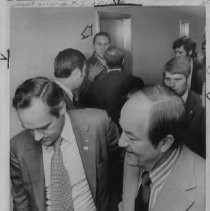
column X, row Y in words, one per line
column 142, row 199
column 61, row 190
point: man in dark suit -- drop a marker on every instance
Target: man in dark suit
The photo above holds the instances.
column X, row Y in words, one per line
column 160, row 172
column 176, row 74
column 86, row 140
column 69, row 70
column 109, row 93
column 185, row 46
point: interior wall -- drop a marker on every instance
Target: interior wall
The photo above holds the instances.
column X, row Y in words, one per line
column 38, row 34
column 153, row 32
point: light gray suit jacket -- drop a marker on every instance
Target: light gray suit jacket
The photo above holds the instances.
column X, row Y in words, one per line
column 27, row 173
column 184, row 188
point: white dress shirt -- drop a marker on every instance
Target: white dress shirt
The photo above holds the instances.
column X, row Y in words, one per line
column 81, row 195
column 68, row 91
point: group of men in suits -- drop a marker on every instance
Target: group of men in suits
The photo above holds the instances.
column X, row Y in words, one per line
column 181, row 74
column 150, row 125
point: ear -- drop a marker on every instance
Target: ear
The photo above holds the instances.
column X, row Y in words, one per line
column 166, row 143
column 76, row 74
column 83, row 69
column 62, row 108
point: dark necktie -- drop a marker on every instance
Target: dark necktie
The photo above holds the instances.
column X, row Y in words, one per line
column 142, row 199
column 61, row 189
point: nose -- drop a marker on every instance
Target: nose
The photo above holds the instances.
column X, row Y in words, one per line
column 123, row 141
column 103, row 46
column 38, row 135
column 172, row 84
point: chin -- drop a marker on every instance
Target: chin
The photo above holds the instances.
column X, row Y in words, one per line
column 47, row 143
column 131, row 162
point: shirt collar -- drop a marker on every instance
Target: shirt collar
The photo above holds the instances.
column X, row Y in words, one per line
column 166, row 166
column 116, row 69
column 68, row 91
column 185, row 95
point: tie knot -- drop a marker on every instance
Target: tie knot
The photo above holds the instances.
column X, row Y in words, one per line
column 145, row 179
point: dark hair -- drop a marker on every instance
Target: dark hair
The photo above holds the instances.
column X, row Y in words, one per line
column 167, row 114
column 187, row 44
column 105, row 34
column 39, row 87
column 66, row 61
column 178, row 65
column 114, row 57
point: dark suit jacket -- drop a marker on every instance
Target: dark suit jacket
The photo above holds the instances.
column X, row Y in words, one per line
column 184, row 189
column 97, row 139
column 109, row 92
column 92, row 61
column 196, row 124
column 69, row 103
column 196, row 84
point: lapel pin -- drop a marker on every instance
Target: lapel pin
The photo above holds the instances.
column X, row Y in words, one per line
column 85, row 147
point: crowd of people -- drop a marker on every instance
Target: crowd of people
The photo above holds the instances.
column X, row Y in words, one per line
column 99, row 139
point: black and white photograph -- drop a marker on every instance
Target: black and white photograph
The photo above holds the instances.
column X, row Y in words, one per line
column 108, row 108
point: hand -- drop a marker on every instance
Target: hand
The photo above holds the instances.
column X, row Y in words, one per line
column 94, row 71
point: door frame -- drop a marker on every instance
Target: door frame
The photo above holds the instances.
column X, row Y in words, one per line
column 126, row 18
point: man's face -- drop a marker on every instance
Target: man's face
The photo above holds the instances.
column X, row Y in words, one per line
column 45, row 127
column 178, row 82
column 134, row 122
column 101, row 44
column 180, row 51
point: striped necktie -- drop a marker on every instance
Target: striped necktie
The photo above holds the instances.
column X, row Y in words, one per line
column 61, row 189
column 142, row 199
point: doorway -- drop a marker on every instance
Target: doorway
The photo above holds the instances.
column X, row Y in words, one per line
column 119, row 28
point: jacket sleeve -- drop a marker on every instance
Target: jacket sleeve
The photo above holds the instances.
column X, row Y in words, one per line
column 113, row 135
column 20, row 198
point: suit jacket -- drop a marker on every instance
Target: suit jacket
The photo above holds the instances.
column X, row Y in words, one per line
column 184, row 189
column 86, row 84
column 196, row 84
column 196, row 124
column 109, row 93
column 97, row 139
column 92, row 61
column 68, row 101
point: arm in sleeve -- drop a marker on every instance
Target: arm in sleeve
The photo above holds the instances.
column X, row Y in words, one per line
column 20, row 198
column 203, row 133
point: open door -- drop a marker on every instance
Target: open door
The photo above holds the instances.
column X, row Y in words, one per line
column 119, row 28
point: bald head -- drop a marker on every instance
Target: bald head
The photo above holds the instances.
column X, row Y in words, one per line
column 160, row 108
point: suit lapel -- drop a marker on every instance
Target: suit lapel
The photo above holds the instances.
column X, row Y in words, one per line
column 190, row 104
column 178, row 194
column 130, row 188
column 87, row 149
column 34, row 162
